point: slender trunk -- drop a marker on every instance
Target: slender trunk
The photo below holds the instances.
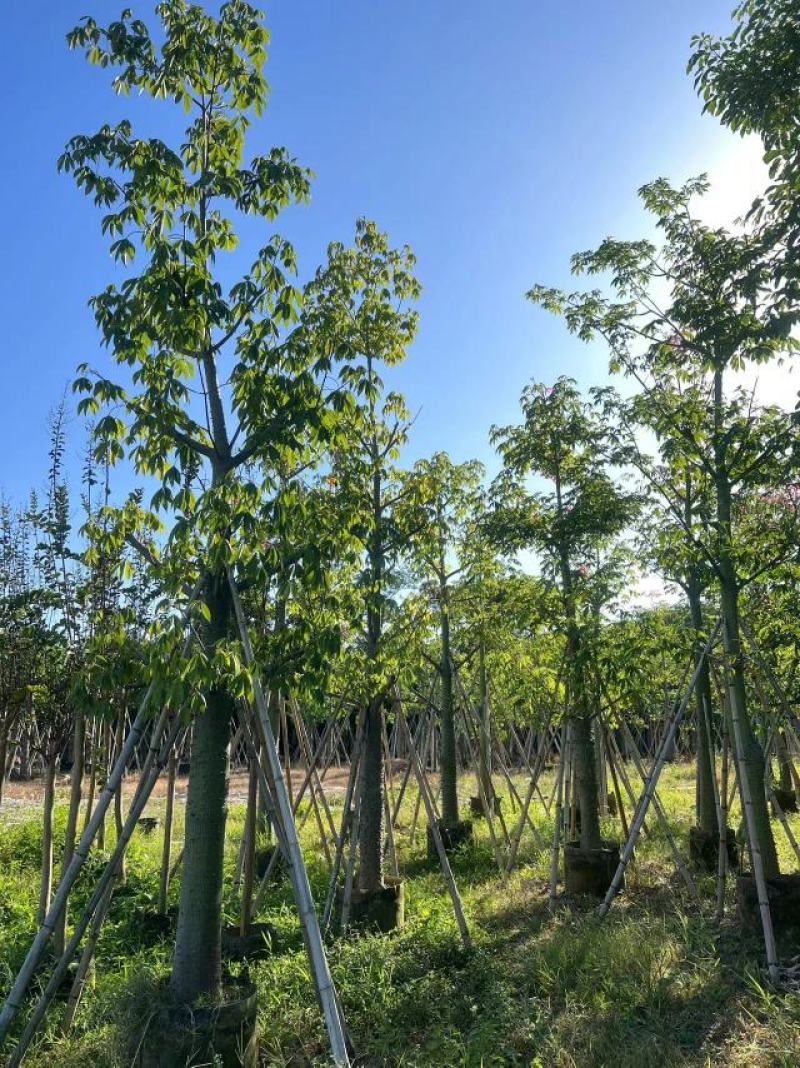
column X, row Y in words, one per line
column 485, row 770
column 785, row 777
column 93, row 776
column 370, row 829
column 46, row 886
column 448, row 739
column 25, row 755
column 119, row 735
column 3, row 760
column 197, row 965
column 76, row 783
column 166, row 854
column 705, row 807
column 752, row 755
column 106, row 763
column 249, row 848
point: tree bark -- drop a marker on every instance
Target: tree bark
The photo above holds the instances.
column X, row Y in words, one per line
column 370, row 831
column 586, row 781
column 166, row 853
column 197, row 964
column 752, row 755
column 448, row 738
column 485, row 770
column 705, row 806
column 46, row 885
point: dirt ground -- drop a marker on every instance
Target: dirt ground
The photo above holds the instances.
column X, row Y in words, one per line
column 20, row 799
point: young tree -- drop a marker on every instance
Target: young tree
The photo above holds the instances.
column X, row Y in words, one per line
column 442, row 498
column 671, row 534
column 696, row 310
column 563, row 441
column 359, row 310
column 174, row 324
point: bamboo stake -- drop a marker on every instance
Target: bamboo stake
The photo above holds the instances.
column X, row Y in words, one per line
column 109, row 874
column 79, row 857
column 665, row 747
column 163, row 889
column 437, row 838
column 251, row 818
column 342, row 835
column 305, row 745
column 651, row 783
column 302, row 891
column 722, row 858
column 516, row 836
column 551, row 901
column 615, row 782
column 747, row 805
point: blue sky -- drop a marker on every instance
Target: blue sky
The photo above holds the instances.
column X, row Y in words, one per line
column 495, row 138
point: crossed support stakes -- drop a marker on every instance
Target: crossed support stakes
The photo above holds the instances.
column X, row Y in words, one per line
column 157, row 756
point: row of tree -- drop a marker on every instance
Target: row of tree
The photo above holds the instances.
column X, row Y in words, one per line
column 257, row 412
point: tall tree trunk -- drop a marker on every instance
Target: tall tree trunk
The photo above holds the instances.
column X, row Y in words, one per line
column 448, row 739
column 586, row 781
column 485, row 751
column 197, row 964
column 705, row 805
column 751, row 759
column 582, row 737
column 370, row 830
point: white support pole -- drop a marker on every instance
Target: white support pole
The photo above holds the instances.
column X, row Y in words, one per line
column 652, row 781
column 17, row 993
column 302, row 891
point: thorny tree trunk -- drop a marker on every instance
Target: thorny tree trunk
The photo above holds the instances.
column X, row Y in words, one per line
column 751, row 758
column 705, row 805
column 196, row 965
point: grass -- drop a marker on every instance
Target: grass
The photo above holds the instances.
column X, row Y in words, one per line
column 656, row 984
